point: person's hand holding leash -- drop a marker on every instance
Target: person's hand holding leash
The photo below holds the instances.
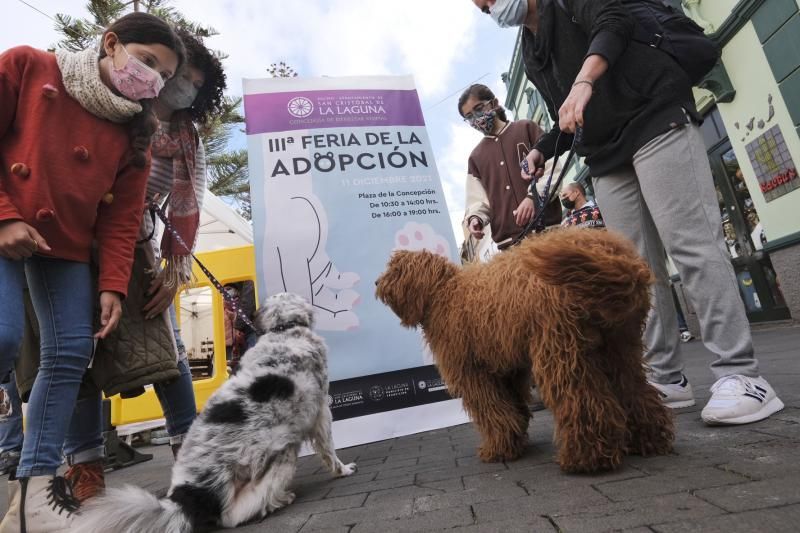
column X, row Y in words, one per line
column 534, row 160
column 571, row 113
column 476, row 227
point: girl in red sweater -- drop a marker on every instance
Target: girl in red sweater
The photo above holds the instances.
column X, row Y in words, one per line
column 74, row 138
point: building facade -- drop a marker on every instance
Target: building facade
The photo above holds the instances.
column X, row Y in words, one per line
column 751, row 105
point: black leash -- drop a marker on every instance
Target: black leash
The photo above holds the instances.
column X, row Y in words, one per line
column 155, row 209
column 536, row 224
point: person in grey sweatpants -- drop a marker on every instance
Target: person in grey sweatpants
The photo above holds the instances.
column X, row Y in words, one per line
column 652, row 181
column 665, row 199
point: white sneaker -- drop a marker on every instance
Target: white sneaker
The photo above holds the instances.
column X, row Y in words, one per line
column 676, row 395
column 740, row 399
column 686, row 336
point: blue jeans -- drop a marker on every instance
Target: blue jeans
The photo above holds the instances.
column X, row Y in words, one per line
column 63, row 298
column 177, row 401
column 11, row 424
column 177, row 396
column 84, row 441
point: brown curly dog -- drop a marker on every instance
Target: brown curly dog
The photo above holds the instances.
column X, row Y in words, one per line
column 566, row 308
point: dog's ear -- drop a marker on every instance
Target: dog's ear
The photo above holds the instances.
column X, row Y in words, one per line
column 409, row 282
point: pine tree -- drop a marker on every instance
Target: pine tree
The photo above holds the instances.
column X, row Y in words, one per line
column 228, row 175
column 281, row 70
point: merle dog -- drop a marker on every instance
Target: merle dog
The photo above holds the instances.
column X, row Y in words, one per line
column 239, row 456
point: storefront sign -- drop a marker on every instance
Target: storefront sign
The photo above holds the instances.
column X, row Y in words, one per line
column 773, row 164
column 342, row 173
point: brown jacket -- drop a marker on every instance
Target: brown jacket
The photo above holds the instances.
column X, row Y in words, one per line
column 494, row 185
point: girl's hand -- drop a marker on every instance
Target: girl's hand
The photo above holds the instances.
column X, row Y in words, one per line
column 160, row 295
column 110, row 313
column 18, row 240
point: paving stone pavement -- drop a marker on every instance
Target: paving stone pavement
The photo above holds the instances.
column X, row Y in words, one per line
column 720, row 479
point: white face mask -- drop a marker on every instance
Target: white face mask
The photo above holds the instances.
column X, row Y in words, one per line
column 179, row 93
column 509, row 13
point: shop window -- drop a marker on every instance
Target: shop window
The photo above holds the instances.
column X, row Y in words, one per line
column 745, row 239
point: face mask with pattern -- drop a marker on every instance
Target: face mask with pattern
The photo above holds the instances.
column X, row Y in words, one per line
column 136, row 81
column 484, row 121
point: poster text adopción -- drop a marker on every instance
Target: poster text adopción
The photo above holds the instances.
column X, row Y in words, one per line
column 396, row 158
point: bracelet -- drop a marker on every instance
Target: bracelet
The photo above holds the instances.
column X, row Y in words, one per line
column 588, row 82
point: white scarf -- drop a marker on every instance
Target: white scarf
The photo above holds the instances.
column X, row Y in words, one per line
column 81, row 74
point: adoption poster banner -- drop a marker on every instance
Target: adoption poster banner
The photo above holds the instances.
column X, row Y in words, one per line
column 342, row 174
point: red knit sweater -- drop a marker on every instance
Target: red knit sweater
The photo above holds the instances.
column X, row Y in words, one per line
column 65, row 171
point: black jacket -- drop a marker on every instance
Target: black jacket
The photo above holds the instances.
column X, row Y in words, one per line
column 643, row 94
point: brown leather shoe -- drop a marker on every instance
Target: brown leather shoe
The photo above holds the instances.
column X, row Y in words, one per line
column 87, row 479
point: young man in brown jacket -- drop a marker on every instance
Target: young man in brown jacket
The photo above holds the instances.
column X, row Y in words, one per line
column 497, row 193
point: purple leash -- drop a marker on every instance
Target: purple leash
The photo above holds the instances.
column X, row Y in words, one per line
column 155, row 208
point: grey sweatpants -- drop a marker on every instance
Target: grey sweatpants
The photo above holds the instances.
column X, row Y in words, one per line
column 666, row 200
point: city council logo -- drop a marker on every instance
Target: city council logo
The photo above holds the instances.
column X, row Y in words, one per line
column 422, row 385
column 300, row 107
column 376, row 393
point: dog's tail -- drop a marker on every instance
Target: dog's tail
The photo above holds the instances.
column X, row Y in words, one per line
column 132, row 510
column 600, row 270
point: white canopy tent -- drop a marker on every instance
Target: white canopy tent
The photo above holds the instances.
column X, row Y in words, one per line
column 221, row 226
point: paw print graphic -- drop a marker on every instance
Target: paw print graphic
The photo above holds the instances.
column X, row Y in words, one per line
column 415, row 236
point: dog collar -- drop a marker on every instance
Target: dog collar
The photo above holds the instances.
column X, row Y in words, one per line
column 288, row 325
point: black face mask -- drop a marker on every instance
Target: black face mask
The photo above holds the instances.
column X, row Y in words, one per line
column 567, row 203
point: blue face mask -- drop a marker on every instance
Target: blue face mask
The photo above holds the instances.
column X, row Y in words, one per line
column 509, row 13
column 484, row 121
